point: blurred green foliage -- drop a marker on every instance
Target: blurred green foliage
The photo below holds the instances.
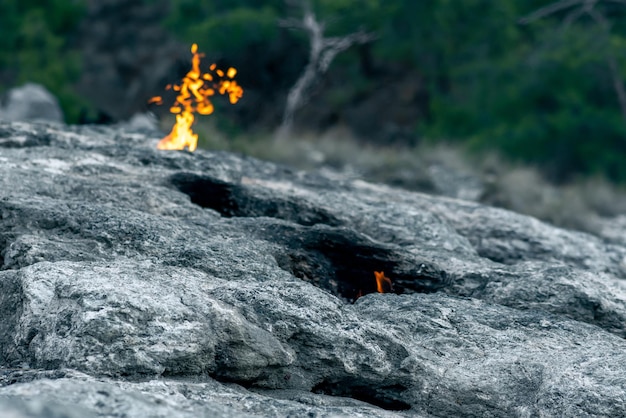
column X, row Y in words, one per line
column 539, row 92
column 36, row 45
column 234, row 28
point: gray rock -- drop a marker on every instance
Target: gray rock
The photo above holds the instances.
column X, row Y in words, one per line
column 18, row 407
column 31, row 102
column 142, row 123
column 172, row 397
column 611, row 229
column 453, row 182
column 139, row 282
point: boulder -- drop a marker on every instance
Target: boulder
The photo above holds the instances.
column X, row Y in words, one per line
column 31, row 102
column 140, row 282
column 141, row 123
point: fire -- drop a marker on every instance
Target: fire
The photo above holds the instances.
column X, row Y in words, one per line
column 193, row 96
column 383, row 284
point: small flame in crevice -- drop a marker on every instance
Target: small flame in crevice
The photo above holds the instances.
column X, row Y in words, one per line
column 193, row 96
column 383, row 284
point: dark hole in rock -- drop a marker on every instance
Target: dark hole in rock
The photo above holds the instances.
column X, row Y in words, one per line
column 236, row 200
column 337, row 259
column 2, row 252
column 343, row 263
column 208, row 193
column 385, row 397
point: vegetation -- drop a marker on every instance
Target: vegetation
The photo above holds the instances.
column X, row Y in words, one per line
column 539, row 92
column 37, row 45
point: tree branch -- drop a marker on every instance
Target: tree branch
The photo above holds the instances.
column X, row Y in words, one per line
column 321, row 54
column 548, row 10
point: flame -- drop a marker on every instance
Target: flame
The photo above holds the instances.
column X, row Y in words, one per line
column 156, row 100
column 193, row 96
column 383, row 284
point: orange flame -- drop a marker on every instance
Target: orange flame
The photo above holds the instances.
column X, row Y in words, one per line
column 383, row 284
column 193, row 96
column 156, row 100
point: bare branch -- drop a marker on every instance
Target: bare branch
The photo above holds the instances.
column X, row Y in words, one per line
column 334, row 46
column 548, row 10
column 571, row 18
column 598, row 18
column 321, row 54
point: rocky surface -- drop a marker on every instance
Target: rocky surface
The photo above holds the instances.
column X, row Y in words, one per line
column 138, row 282
column 30, row 102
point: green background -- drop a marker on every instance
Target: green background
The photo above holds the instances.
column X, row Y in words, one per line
column 539, row 93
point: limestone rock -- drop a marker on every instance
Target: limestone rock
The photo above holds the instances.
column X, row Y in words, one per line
column 31, row 102
column 141, row 123
column 140, row 282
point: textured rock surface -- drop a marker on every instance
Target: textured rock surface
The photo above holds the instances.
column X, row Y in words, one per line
column 31, row 102
column 138, row 282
